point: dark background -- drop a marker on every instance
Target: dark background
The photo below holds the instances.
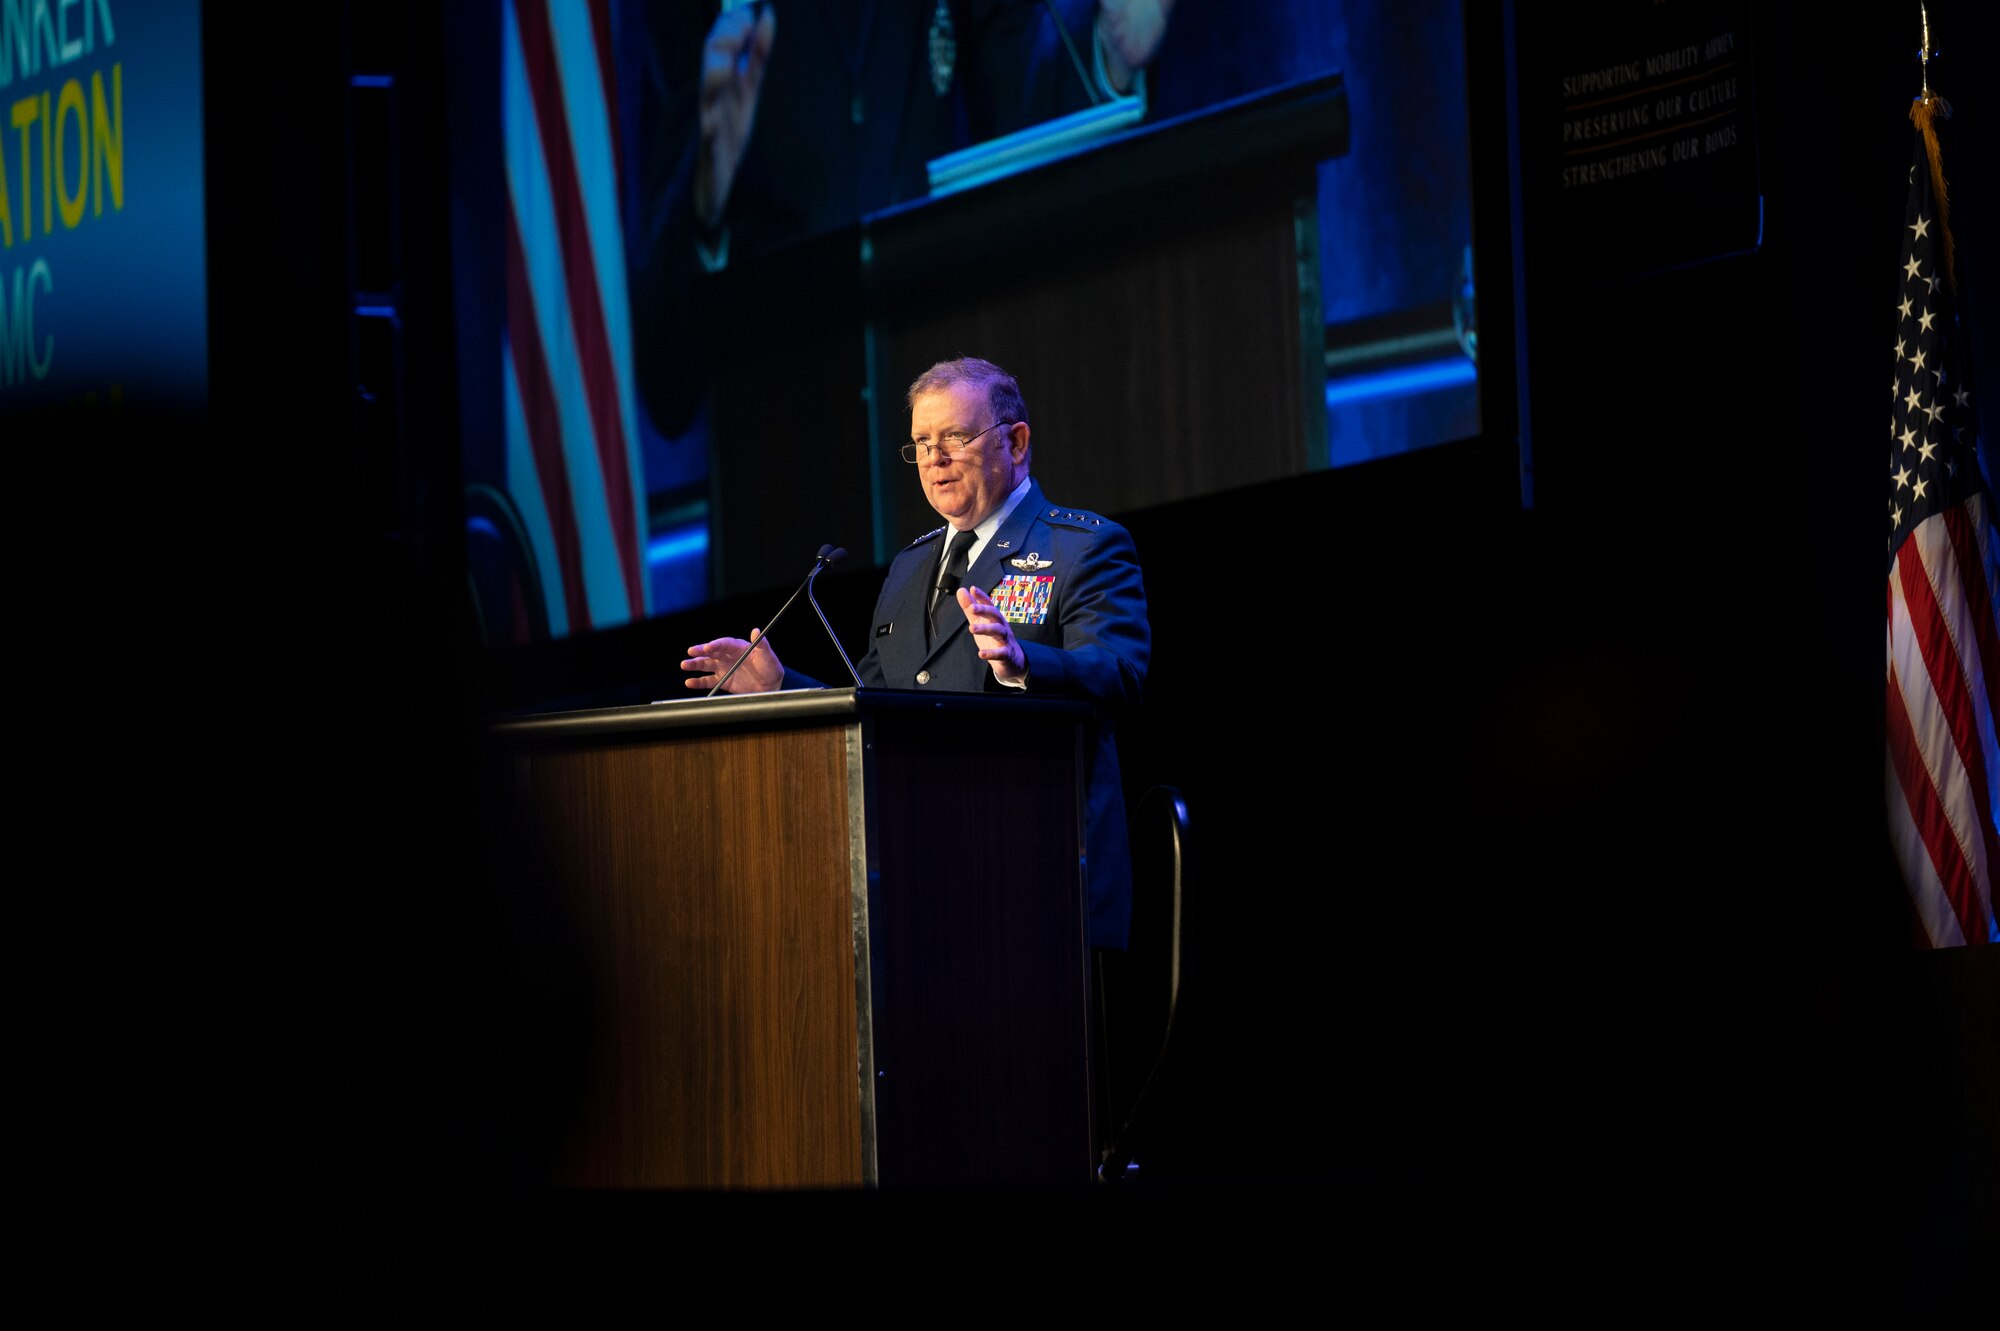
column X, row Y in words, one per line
column 1547, row 942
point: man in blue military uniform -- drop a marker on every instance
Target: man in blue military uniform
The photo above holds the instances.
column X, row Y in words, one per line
column 1013, row 592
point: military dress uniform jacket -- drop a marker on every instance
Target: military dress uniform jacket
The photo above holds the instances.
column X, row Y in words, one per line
column 1077, row 603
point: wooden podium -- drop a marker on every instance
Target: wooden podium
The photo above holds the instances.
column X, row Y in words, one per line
column 835, row 936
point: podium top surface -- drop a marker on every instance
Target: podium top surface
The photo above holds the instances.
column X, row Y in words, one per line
column 1304, row 120
column 784, row 707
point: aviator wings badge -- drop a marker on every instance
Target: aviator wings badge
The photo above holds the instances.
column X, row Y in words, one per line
column 1032, row 562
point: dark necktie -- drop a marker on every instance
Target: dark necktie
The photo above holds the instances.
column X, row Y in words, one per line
column 944, row 604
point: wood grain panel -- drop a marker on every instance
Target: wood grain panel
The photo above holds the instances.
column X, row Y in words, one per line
column 1157, row 368
column 720, row 936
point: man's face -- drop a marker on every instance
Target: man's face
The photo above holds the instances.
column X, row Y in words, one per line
column 967, row 488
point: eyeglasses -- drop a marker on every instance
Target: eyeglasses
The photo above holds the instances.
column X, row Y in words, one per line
column 950, row 447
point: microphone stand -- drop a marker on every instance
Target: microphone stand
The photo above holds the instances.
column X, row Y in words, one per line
column 833, row 557
column 828, row 555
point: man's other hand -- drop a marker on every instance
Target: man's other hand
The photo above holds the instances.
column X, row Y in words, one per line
column 709, row 661
column 1129, row 33
column 998, row 646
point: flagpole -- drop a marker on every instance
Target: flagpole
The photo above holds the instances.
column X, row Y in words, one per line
column 1924, row 51
column 1925, row 111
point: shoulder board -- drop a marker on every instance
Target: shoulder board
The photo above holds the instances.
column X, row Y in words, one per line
column 929, row 535
column 1074, row 517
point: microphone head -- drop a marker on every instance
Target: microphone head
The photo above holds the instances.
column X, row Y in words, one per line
column 832, row 554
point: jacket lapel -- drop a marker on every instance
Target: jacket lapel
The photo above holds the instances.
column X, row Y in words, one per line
column 1009, row 542
column 903, row 652
column 992, row 562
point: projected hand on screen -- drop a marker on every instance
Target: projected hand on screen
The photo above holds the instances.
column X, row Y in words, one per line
column 1129, row 33
column 709, row 661
column 732, row 73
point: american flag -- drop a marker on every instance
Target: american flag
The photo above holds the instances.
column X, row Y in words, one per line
column 573, row 461
column 1944, row 653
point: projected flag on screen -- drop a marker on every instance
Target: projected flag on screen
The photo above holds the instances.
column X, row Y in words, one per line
column 1944, row 653
column 573, row 461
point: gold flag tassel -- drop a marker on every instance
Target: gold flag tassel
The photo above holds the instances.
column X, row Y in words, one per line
column 1925, row 112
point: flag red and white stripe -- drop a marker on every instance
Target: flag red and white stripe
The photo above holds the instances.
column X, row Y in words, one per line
column 573, row 461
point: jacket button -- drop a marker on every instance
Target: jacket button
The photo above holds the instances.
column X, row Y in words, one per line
column 923, row 677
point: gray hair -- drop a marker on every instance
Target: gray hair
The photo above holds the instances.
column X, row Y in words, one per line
column 1002, row 393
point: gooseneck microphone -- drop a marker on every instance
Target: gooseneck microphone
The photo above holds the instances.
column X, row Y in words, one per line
column 828, row 555
column 1088, row 79
column 831, row 557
